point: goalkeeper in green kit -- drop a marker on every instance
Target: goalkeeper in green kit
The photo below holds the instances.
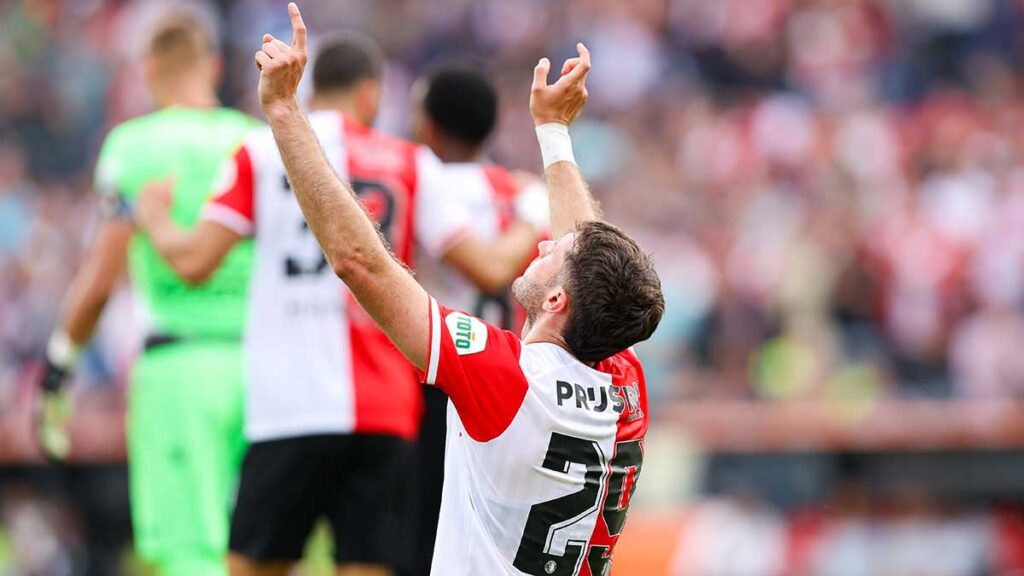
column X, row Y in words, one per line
column 185, row 404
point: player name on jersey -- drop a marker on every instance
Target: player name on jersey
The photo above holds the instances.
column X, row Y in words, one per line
column 601, row 398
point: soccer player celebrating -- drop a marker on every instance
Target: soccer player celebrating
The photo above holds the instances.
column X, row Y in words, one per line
column 456, row 111
column 185, row 441
column 546, row 439
column 332, row 408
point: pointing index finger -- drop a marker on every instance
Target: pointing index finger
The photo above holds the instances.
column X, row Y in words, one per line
column 298, row 27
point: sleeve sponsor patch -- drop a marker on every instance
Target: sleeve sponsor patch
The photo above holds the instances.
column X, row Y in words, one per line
column 469, row 334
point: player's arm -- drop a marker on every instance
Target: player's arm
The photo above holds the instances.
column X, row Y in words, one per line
column 94, row 282
column 444, row 230
column 491, row 266
column 348, row 238
column 553, row 108
column 193, row 254
column 87, row 296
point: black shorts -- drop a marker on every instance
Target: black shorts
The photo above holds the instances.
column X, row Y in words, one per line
column 363, row 484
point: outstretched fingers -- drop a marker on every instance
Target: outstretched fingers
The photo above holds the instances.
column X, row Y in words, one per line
column 569, row 65
column 262, row 59
column 540, row 74
column 298, row 27
column 576, row 69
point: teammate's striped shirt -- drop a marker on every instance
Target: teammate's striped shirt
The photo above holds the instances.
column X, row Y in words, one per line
column 316, row 362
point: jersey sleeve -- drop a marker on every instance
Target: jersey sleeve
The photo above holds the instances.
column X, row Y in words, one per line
column 477, row 365
column 233, row 201
column 109, row 180
column 440, row 219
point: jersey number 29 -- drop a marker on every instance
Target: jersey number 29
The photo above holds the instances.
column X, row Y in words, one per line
column 608, row 487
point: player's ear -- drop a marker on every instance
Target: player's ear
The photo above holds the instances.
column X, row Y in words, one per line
column 556, row 301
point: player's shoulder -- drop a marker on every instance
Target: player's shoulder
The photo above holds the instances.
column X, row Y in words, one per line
column 504, row 185
column 259, row 144
column 378, row 137
column 624, row 365
column 498, row 174
column 378, row 151
column 473, row 335
column 147, row 129
column 132, row 129
column 235, row 115
column 546, row 357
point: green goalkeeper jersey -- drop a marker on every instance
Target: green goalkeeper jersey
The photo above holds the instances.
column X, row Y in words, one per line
column 188, row 144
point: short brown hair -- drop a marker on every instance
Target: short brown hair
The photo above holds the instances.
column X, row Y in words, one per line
column 178, row 38
column 615, row 297
column 346, row 59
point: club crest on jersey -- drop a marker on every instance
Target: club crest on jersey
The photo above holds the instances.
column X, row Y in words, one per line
column 468, row 333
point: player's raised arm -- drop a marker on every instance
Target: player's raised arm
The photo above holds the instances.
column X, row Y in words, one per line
column 554, row 107
column 346, row 235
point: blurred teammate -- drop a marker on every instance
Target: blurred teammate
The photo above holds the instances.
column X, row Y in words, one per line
column 332, row 408
column 185, row 441
column 545, row 442
column 456, row 112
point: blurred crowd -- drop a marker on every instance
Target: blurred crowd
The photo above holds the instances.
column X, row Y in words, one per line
column 729, row 537
column 834, row 189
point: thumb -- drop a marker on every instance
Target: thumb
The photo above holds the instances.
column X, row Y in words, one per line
column 540, row 73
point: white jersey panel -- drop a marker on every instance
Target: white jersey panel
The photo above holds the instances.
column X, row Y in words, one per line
column 296, row 345
column 490, row 487
column 543, row 452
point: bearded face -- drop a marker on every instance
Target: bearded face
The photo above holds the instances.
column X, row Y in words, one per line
column 543, row 274
column 530, row 295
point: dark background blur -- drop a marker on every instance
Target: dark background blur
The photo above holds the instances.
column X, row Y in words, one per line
column 834, row 192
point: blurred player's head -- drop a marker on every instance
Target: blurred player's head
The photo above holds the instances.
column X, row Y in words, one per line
column 182, row 64
column 597, row 286
column 347, row 75
column 457, row 111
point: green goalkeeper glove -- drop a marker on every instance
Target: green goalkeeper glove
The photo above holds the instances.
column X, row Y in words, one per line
column 52, row 410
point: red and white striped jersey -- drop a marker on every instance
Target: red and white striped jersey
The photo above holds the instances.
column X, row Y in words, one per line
column 315, row 361
column 543, row 451
column 492, row 196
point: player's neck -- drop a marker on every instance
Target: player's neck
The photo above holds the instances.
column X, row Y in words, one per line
column 545, row 328
column 184, row 94
column 455, row 153
column 338, row 102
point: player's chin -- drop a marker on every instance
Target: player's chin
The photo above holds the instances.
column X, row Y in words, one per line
column 520, row 289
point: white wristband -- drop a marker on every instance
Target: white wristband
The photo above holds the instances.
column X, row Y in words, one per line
column 61, row 351
column 555, row 144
